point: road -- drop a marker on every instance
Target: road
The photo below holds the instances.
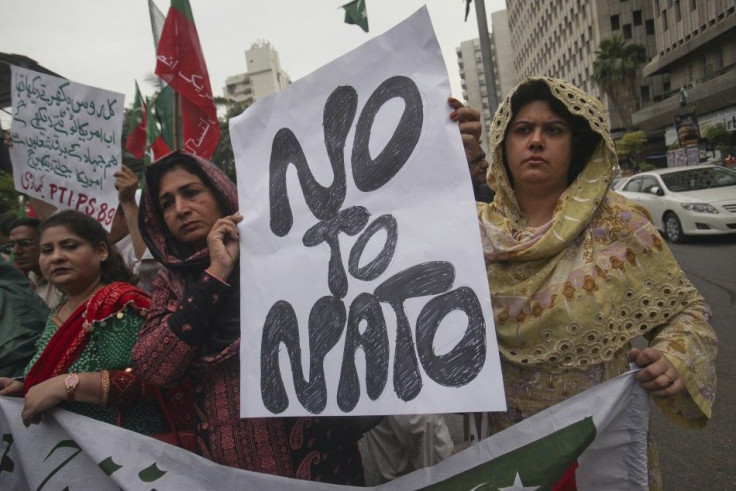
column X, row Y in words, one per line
column 706, row 459
column 693, row 459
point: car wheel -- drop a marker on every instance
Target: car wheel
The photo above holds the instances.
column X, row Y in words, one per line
column 672, row 228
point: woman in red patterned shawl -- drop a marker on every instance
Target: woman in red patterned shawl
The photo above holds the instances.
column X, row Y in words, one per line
column 83, row 357
column 189, row 217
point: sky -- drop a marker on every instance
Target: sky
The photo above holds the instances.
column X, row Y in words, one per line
column 109, row 44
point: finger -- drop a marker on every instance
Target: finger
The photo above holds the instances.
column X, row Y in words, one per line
column 468, row 140
column 224, row 229
column 26, row 415
column 658, row 382
column 454, row 103
column 234, row 218
column 632, row 354
column 652, row 372
column 677, row 386
column 229, row 221
column 473, row 129
column 230, row 233
column 647, row 357
column 466, row 114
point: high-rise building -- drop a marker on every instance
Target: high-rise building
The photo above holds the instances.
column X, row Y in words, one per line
column 263, row 78
column 470, row 62
column 560, row 39
column 696, row 54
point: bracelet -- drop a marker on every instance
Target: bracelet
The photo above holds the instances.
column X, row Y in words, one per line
column 104, row 387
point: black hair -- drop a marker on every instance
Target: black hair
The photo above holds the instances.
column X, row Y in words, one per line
column 157, row 171
column 5, row 220
column 584, row 139
column 24, row 222
column 90, row 230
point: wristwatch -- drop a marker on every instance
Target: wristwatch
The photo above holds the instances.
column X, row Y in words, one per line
column 70, row 382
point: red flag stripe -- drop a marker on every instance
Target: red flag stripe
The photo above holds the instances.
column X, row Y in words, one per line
column 181, row 64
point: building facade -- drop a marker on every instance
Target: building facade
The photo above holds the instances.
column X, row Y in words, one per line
column 560, row 39
column 696, row 54
column 470, row 62
column 263, row 78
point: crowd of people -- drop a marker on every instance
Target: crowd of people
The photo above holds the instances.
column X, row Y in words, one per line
column 575, row 271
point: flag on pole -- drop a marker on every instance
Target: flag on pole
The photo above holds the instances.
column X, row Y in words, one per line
column 157, row 22
column 356, row 13
column 136, row 141
column 157, row 26
column 168, row 121
column 156, row 146
column 180, row 62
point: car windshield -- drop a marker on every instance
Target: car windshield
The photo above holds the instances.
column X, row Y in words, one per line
column 696, row 179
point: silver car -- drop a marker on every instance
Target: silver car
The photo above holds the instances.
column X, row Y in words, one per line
column 695, row 200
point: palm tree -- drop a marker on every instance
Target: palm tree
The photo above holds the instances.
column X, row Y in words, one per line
column 616, row 71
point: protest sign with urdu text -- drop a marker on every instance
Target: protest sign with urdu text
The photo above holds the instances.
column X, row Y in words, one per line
column 66, row 143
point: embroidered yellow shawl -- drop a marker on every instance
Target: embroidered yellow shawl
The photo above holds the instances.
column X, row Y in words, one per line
column 574, row 292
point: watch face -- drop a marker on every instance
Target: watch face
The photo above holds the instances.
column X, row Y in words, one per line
column 71, row 381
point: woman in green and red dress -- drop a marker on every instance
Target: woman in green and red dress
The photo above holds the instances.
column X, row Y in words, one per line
column 83, row 357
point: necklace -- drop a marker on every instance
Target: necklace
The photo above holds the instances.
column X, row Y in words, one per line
column 70, row 310
column 65, row 310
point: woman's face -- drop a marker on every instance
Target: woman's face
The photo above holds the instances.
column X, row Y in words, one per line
column 190, row 208
column 538, row 148
column 69, row 261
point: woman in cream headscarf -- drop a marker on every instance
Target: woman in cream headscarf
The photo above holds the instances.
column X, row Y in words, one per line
column 577, row 271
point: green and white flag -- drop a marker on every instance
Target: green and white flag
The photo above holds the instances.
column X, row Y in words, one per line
column 595, row 440
column 356, row 13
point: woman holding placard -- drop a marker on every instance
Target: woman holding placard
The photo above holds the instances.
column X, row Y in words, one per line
column 189, row 218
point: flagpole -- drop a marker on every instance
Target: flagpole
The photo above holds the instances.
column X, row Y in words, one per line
column 177, row 102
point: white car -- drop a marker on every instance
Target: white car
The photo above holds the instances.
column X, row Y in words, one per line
column 617, row 182
column 694, row 200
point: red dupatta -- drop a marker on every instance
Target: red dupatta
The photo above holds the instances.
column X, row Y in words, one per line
column 69, row 341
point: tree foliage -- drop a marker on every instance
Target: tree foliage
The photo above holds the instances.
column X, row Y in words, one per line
column 720, row 138
column 616, row 71
column 223, row 156
column 631, row 145
column 8, row 194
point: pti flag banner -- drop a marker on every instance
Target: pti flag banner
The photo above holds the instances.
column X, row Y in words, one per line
column 595, row 440
column 180, row 62
column 136, row 141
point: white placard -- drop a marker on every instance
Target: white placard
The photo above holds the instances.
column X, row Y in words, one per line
column 66, row 143
column 363, row 286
